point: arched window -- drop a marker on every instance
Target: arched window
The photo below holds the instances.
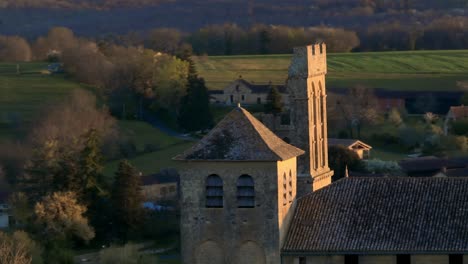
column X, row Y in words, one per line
column 245, row 192
column 214, row 192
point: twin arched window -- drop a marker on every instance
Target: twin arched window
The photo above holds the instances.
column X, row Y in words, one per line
column 214, row 191
column 245, row 192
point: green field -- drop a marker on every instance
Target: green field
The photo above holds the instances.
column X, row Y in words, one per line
column 142, row 134
column 413, row 70
column 23, row 96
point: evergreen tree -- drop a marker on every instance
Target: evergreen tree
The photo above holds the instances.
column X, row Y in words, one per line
column 127, row 199
column 40, row 172
column 90, row 185
column 90, row 176
column 273, row 104
column 195, row 113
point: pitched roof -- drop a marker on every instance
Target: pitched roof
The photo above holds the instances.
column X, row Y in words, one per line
column 431, row 163
column 240, row 137
column 382, row 215
column 459, row 111
column 262, row 88
column 346, row 142
column 458, row 172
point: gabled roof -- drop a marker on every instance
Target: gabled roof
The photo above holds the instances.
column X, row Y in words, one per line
column 262, row 88
column 459, row 112
column 347, row 142
column 397, row 215
column 240, row 137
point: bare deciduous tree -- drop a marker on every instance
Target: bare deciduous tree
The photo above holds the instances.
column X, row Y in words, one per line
column 14, row 49
column 357, row 108
column 66, row 122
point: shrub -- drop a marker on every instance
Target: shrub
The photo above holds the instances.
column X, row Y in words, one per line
column 460, row 127
column 380, row 166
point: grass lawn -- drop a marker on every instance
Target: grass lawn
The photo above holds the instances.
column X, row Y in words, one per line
column 411, row 70
column 143, row 133
column 23, row 96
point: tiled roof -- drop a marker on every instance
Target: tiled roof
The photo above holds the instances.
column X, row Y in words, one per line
column 382, row 215
column 240, row 137
column 459, row 112
column 428, row 163
column 458, row 172
column 431, row 163
column 262, row 88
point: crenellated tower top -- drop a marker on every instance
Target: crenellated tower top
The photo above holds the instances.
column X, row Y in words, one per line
column 309, row 61
column 306, row 86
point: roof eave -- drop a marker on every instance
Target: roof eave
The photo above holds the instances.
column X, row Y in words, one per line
column 371, row 252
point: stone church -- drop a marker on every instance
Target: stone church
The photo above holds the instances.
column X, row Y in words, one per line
column 249, row 197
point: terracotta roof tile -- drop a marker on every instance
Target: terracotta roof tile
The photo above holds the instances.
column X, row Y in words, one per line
column 459, row 112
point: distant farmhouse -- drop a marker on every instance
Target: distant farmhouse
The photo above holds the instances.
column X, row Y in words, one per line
column 159, row 187
column 360, row 148
column 455, row 113
column 241, row 184
column 246, row 93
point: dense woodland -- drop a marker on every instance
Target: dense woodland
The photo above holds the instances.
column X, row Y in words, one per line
column 97, row 18
column 322, row 4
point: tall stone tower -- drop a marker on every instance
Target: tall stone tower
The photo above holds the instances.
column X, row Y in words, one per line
column 238, row 186
column 306, row 86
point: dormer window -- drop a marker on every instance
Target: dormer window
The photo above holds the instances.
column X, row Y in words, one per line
column 214, row 192
column 245, row 192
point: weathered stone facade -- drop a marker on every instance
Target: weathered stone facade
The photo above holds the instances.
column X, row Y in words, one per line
column 306, row 86
column 246, row 93
column 238, row 187
column 231, row 234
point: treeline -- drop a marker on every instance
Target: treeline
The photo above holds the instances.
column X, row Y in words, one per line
column 230, row 39
column 130, row 78
column 78, row 4
column 378, row 5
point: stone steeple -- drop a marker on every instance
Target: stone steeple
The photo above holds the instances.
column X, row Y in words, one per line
column 306, row 86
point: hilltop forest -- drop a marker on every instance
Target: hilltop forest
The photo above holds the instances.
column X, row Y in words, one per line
column 91, row 18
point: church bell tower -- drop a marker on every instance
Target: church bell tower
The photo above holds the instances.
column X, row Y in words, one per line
column 306, row 86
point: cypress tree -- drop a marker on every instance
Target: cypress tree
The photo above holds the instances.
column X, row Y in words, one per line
column 195, row 113
column 273, row 104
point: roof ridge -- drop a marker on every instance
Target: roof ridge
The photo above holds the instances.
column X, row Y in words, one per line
column 256, row 124
column 240, row 137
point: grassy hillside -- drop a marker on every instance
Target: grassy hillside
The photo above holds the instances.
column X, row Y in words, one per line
column 414, row 70
column 143, row 134
column 23, row 95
